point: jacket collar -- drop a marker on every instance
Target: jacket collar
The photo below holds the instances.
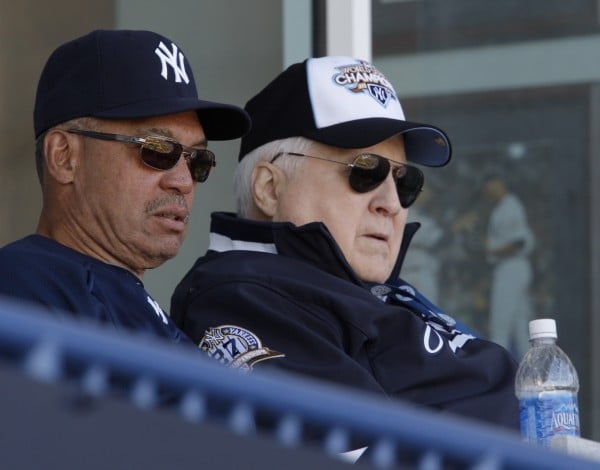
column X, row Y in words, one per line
column 311, row 242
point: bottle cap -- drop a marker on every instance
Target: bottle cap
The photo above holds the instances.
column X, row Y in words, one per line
column 542, row 328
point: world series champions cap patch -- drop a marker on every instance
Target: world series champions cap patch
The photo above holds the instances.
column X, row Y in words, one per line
column 350, row 89
column 235, row 347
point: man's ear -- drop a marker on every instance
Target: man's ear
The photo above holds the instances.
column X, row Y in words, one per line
column 61, row 154
column 267, row 182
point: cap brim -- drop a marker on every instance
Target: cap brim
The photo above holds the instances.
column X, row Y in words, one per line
column 424, row 144
column 220, row 121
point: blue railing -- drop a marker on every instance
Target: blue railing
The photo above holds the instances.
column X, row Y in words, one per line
column 151, row 372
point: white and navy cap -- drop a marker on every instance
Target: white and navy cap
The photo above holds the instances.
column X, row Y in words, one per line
column 127, row 74
column 343, row 102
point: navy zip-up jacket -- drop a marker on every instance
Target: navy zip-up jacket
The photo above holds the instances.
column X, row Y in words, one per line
column 284, row 296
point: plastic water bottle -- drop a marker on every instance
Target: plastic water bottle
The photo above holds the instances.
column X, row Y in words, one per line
column 546, row 387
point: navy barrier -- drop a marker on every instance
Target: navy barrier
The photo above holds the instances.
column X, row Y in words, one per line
column 262, row 418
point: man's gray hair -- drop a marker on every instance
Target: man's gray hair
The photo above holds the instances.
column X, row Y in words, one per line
column 242, row 179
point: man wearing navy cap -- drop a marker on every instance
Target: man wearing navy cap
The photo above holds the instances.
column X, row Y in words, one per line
column 121, row 142
column 305, row 276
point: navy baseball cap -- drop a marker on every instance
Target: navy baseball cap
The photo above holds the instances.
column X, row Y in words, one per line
column 343, row 102
column 124, row 74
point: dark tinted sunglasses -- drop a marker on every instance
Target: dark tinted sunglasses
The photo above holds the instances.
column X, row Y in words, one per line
column 162, row 153
column 368, row 171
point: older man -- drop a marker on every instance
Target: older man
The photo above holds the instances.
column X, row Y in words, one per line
column 121, row 144
column 305, row 278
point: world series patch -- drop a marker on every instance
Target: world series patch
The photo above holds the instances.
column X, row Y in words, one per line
column 235, row 347
column 365, row 78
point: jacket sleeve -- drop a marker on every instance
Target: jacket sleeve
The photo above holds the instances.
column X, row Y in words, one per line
column 425, row 365
column 237, row 318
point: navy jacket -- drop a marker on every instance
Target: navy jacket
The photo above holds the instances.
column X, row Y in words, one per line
column 40, row 270
column 284, row 296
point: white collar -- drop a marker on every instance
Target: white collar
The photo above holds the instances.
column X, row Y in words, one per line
column 222, row 243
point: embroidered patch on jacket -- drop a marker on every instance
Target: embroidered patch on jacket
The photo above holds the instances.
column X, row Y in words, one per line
column 235, row 347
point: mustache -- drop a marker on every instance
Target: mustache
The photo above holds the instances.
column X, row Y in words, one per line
column 168, row 201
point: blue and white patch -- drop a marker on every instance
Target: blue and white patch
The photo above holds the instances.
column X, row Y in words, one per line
column 235, row 347
column 362, row 77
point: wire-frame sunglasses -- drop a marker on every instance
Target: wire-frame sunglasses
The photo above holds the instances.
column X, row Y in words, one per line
column 162, row 153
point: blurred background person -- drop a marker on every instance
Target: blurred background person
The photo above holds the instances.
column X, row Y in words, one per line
column 509, row 242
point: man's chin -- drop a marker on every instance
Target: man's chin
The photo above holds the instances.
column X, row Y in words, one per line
column 162, row 255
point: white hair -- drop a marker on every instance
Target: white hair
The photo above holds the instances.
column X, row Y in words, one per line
column 242, row 178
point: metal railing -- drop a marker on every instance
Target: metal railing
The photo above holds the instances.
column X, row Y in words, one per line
column 291, row 410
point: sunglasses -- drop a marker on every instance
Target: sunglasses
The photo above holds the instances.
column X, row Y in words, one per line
column 162, row 153
column 368, row 171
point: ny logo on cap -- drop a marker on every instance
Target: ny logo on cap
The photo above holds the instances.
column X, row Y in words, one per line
column 380, row 93
column 170, row 57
